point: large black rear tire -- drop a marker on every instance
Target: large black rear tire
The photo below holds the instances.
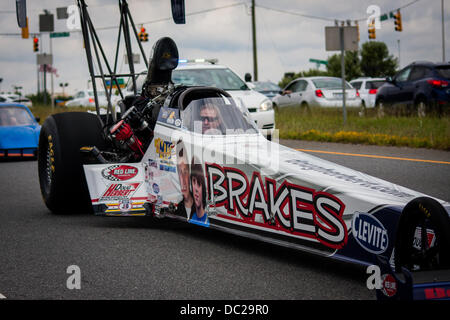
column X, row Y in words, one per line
column 61, row 176
column 422, row 221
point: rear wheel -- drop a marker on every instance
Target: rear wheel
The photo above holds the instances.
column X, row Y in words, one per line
column 304, row 108
column 423, row 236
column 363, row 110
column 61, row 176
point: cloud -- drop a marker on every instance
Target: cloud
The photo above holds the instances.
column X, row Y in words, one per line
column 285, row 41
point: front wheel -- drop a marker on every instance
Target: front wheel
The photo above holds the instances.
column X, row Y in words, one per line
column 423, row 236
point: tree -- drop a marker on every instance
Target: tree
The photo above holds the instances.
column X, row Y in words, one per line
column 352, row 65
column 376, row 61
column 288, row 77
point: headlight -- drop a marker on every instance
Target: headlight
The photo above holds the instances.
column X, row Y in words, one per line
column 266, row 105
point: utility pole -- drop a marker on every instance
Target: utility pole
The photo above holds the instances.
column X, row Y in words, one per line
column 398, row 43
column 255, row 59
column 51, row 78
column 443, row 32
column 341, row 36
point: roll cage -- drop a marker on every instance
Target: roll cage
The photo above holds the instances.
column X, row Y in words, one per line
column 96, row 55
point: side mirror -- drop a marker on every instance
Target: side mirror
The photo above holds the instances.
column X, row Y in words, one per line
column 389, row 79
column 38, row 119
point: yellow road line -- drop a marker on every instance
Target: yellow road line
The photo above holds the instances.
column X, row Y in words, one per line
column 373, row 156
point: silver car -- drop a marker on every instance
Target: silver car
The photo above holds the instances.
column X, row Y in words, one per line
column 317, row 91
column 85, row 98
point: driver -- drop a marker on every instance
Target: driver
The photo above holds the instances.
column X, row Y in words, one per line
column 211, row 118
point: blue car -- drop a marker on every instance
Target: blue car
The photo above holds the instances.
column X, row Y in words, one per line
column 19, row 131
column 421, row 86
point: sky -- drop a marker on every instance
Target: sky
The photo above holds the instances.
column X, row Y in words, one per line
column 289, row 33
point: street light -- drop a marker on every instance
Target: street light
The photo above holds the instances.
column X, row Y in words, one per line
column 63, row 85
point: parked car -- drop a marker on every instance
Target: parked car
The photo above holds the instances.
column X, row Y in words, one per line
column 85, row 98
column 208, row 73
column 267, row 88
column 367, row 88
column 422, row 87
column 317, row 91
column 17, row 99
column 19, row 131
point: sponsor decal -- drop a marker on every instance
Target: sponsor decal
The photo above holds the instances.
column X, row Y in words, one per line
column 370, row 233
column 388, row 285
column 290, row 208
column 164, row 148
column 436, row 293
column 155, row 188
column 169, row 168
column 119, row 172
column 417, row 240
column 125, row 205
column 372, row 185
column 119, row 191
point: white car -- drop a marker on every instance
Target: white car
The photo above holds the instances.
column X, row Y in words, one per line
column 367, row 88
column 17, row 99
column 85, row 98
column 210, row 74
column 317, row 91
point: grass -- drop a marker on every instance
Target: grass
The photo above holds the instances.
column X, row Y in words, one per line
column 43, row 111
column 327, row 125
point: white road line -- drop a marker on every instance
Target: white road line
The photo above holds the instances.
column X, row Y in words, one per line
column 2, row 296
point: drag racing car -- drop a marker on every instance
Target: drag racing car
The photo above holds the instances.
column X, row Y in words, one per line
column 190, row 153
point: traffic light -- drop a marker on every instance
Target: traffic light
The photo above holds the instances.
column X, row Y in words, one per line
column 371, row 29
column 143, row 36
column 398, row 21
column 25, row 32
column 35, row 44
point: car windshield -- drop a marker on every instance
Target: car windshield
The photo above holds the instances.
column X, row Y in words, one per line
column 14, row 116
column 224, row 79
column 444, row 71
column 374, row 84
column 327, row 83
column 266, row 86
column 140, row 79
column 216, row 116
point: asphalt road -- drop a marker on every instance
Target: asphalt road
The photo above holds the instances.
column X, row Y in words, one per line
column 132, row 258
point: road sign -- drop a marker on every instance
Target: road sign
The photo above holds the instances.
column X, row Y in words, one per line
column 59, row 34
column 44, row 58
column 121, row 82
column 333, row 40
column 46, row 23
column 136, row 58
column 61, row 13
column 318, row 61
